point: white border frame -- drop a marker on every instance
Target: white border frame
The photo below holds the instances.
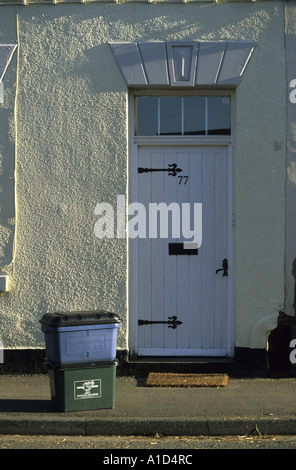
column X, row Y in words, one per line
column 198, row 141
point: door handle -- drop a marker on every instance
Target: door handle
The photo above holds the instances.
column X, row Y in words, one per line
column 224, row 267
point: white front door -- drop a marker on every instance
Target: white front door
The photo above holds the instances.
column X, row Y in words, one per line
column 182, row 301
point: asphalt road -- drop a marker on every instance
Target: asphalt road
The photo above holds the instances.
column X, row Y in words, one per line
column 149, row 443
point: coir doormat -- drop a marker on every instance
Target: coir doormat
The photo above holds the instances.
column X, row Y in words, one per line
column 158, row 379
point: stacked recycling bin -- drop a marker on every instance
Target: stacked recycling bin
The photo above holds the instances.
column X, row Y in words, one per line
column 81, row 359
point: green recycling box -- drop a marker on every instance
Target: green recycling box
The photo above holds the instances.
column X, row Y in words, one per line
column 82, row 386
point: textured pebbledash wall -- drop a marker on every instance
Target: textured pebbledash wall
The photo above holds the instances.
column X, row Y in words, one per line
column 72, row 152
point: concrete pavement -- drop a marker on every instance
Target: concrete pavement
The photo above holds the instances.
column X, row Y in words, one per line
column 245, row 406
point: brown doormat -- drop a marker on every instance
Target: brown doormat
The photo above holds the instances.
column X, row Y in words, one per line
column 156, row 379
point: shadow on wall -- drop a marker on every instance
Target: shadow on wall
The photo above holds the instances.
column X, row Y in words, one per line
column 279, row 349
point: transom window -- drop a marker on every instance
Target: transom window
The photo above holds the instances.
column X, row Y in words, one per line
column 182, row 115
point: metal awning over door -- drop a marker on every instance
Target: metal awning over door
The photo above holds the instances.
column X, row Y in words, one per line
column 182, row 63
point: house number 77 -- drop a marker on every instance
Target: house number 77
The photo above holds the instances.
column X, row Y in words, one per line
column 183, row 179
column 292, row 95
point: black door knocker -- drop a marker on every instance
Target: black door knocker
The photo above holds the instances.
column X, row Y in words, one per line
column 224, row 267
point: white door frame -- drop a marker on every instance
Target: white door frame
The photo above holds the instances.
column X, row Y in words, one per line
column 132, row 245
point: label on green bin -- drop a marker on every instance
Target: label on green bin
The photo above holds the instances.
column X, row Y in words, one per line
column 84, row 389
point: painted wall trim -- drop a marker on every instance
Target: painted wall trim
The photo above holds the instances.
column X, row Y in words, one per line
column 261, row 329
column 182, row 63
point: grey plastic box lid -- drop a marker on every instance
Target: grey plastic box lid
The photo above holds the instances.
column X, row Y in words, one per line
column 94, row 317
column 85, row 365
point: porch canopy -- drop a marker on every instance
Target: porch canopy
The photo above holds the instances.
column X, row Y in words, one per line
column 182, row 63
column 6, row 53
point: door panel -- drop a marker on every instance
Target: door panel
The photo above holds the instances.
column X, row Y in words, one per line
column 183, row 305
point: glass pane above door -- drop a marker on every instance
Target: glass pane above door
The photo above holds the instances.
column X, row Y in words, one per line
column 182, row 115
column 218, row 115
column 146, row 115
column 194, row 115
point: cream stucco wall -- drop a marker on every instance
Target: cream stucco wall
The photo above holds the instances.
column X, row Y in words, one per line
column 72, row 152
